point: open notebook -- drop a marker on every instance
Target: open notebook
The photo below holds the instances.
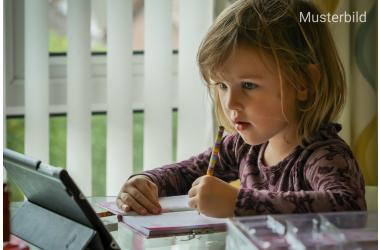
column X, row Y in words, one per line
column 176, row 218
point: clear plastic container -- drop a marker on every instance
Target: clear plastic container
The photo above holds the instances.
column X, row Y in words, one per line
column 340, row 230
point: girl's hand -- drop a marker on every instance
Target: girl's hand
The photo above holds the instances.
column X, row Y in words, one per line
column 139, row 194
column 213, row 197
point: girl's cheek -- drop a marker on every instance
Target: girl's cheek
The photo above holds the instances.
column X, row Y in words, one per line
column 267, row 109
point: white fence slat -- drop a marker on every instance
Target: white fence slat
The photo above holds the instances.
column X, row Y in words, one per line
column 36, row 80
column 157, row 85
column 119, row 94
column 79, row 93
column 194, row 105
column 8, row 65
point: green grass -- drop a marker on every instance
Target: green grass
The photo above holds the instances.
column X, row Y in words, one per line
column 98, row 130
column 57, row 42
column 57, row 154
column 138, row 142
column 174, row 135
column 57, row 141
column 15, row 141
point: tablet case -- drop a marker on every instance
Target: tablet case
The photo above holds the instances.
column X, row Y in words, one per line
column 48, row 230
column 57, row 215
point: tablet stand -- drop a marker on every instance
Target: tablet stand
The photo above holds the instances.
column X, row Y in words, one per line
column 48, row 230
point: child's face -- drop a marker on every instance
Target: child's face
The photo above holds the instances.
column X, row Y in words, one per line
column 250, row 94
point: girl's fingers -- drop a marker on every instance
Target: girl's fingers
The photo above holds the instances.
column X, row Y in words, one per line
column 143, row 200
column 139, row 194
column 193, row 203
column 193, row 191
column 132, row 203
column 150, row 192
column 126, row 208
column 196, row 182
column 154, row 190
column 120, row 204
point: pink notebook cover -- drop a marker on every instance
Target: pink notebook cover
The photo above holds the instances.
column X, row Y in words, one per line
column 173, row 223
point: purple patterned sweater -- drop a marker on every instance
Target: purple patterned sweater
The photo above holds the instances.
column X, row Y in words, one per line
column 323, row 176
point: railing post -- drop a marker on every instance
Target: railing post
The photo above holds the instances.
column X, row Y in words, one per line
column 119, row 94
column 79, row 94
column 36, row 80
column 158, row 91
column 194, row 104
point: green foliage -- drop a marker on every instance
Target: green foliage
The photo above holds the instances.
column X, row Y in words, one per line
column 57, row 42
column 98, row 130
column 98, row 47
column 138, row 142
column 57, row 141
column 174, row 135
column 15, row 141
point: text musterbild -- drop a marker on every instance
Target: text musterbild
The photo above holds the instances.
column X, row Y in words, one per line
column 346, row 17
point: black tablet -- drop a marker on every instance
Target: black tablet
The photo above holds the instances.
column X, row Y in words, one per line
column 52, row 189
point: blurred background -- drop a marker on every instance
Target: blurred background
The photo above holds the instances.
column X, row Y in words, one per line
column 110, row 88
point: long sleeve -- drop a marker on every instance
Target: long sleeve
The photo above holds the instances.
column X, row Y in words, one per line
column 332, row 182
column 176, row 179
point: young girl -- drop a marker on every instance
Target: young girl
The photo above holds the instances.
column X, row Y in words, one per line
column 277, row 84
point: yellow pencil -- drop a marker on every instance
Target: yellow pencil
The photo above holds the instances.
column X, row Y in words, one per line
column 104, row 214
column 215, row 151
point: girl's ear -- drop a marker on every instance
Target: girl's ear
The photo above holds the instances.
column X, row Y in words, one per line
column 315, row 76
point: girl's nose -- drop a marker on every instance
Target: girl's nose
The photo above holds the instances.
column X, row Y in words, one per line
column 233, row 101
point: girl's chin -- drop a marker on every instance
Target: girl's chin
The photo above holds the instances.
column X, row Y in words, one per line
column 251, row 141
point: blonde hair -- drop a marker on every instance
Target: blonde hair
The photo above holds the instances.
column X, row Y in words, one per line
column 273, row 27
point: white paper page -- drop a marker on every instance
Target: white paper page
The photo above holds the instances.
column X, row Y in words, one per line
column 175, row 203
column 168, row 204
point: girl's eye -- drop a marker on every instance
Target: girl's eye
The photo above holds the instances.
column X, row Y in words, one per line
column 249, row 85
column 221, row 85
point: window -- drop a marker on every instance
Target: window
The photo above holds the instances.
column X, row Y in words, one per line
column 57, row 154
column 14, row 89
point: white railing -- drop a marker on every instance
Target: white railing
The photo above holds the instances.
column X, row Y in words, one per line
column 119, row 94
column 36, row 80
column 158, row 62
column 78, row 92
column 125, row 85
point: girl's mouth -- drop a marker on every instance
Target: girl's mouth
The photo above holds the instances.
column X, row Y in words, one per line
column 240, row 126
